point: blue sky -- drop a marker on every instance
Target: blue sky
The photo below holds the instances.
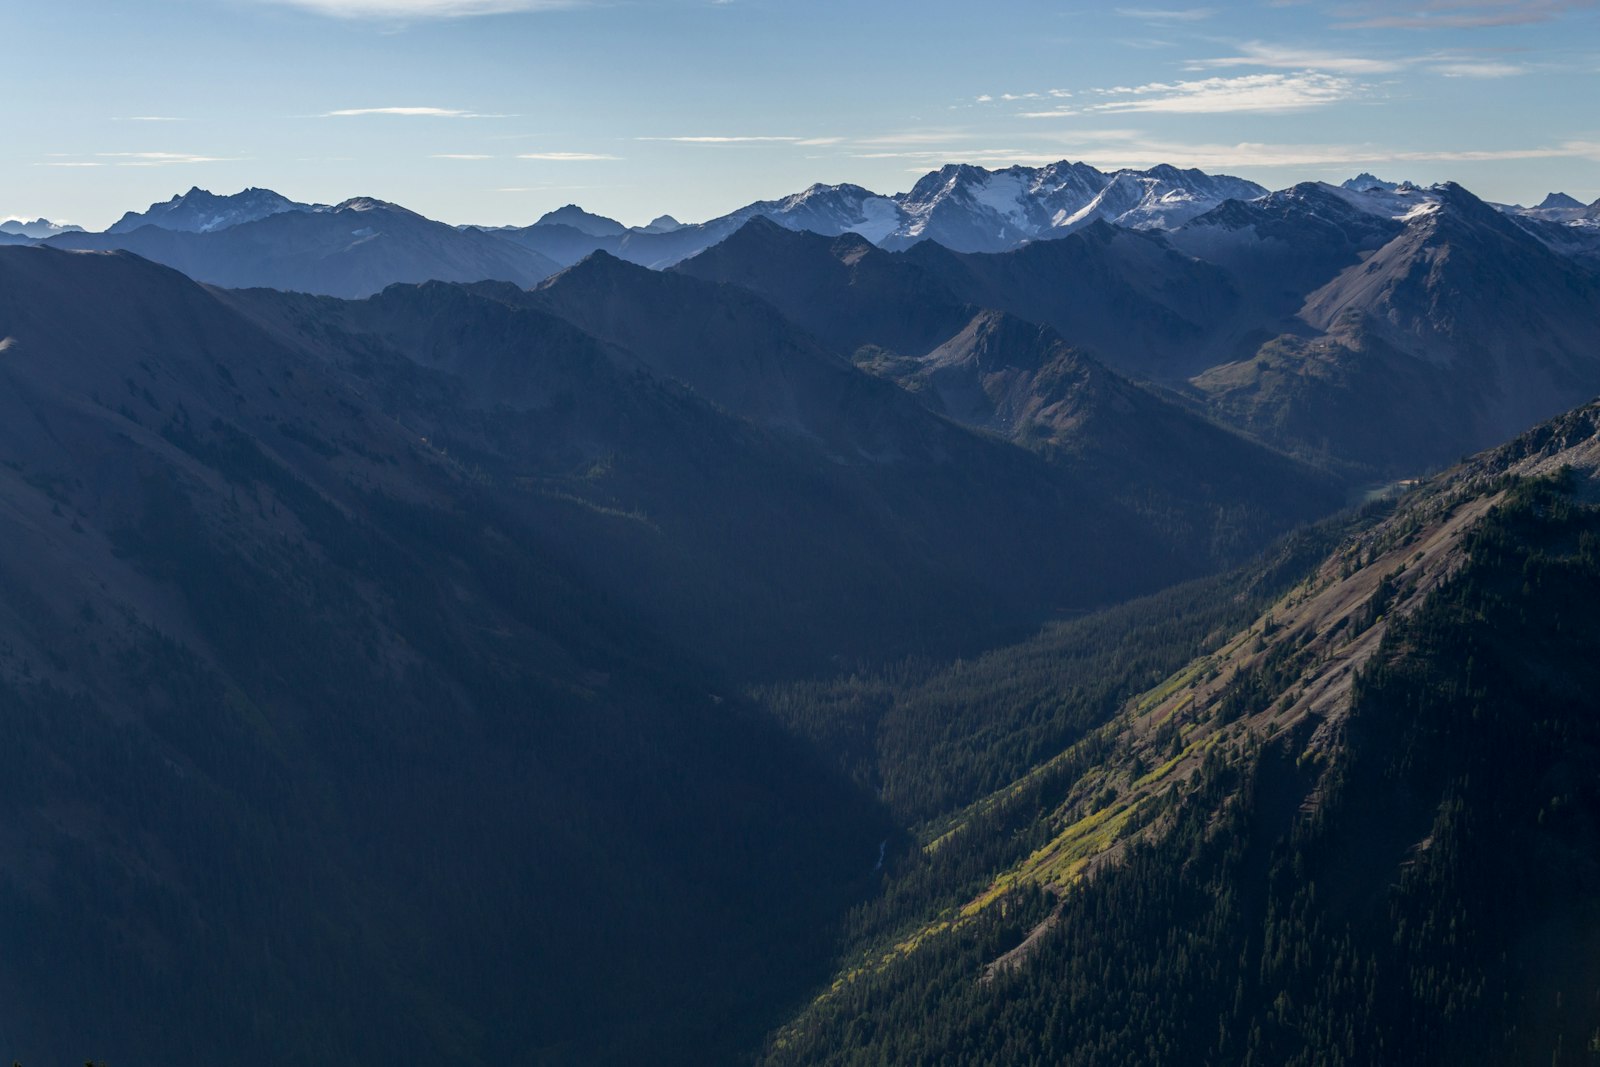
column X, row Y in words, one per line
column 495, row 111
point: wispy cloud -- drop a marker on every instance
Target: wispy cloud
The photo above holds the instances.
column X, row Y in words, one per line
column 1565, row 150
column 409, row 112
column 1475, row 69
column 915, row 137
column 1263, row 54
column 1046, row 94
column 1167, row 15
column 161, row 159
column 982, row 157
column 1250, row 92
column 1287, row 57
column 423, row 9
column 1455, row 14
column 727, row 139
column 1139, row 151
column 567, row 157
column 545, row 188
column 1115, row 148
column 935, row 136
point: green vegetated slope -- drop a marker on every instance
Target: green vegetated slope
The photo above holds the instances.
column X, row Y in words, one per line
column 1360, row 829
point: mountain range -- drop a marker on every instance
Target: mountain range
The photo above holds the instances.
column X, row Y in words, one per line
column 510, row 551
column 356, row 248
column 964, row 207
column 1344, row 324
column 200, row 211
column 36, row 230
column 1385, row 331
column 1045, row 616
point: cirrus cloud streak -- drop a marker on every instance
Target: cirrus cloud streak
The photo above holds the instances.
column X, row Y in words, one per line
column 1249, row 92
column 568, row 157
column 423, row 9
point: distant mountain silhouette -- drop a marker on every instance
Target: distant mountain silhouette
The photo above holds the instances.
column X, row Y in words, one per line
column 354, row 249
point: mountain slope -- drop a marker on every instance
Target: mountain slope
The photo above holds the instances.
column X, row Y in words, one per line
column 329, row 752
column 844, row 290
column 1116, row 441
column 1364, row 826
column 1288, row 243
column 1458, row 331
column 377, row 633
column 790, row 510
column 997, row 373
column 1126, row 297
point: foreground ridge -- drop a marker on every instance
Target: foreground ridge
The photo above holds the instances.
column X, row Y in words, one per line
column 1315, row 772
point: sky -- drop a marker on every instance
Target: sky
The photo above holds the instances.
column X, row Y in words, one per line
column 496, row 111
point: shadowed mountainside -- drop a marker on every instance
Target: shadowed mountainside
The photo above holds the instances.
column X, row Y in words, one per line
column 321, row 750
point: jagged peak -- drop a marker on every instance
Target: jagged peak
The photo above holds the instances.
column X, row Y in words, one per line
column 761, row 234
column 1366, row 181
column 1559, row 202
column 597, row 268
column 582, row 220
column 763, row 225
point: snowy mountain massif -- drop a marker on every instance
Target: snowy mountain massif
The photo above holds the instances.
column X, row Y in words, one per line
column 201, row 211
column 962, row 207
column 36, row 229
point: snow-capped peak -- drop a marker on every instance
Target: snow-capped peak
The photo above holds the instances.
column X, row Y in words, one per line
column 1403, row 201
column 201, row 211
column 37, row 228
column 1365, row 182
column 831, row 210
